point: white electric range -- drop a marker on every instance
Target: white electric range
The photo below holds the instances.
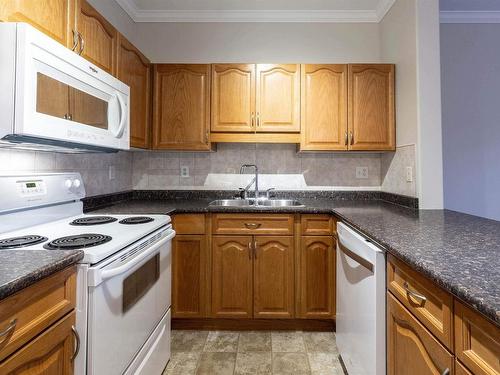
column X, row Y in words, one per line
column 123, row 281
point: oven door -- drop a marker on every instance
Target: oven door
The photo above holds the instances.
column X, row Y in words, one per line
column 130, row 297
column 62, row 97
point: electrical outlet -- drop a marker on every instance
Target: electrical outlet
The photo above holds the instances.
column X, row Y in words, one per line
column 409, row 174
column 362, row 172
column 112, row 172
column 184, row 171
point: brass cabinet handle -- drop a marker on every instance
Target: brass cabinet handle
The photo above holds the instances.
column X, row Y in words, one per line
column 253, row 119
column 446, row 372
column 252, row 225
column 255, row 248
column 77, row 342
column 6, row 333
column 352, row 138
column 75, row 40
column 258, row 119
column 250, row 250
column 346, row 139
column 414, row 294
column 82, row 43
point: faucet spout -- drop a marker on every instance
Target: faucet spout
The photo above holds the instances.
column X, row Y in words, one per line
column 254, row 180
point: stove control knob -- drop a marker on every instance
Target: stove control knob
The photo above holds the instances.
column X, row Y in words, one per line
column 68, row 183
column 77, row 183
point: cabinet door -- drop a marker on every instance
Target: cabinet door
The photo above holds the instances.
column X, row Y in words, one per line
column 189, row 282
column 278, row 98
column 49, row 353
column 323, row 107
column 371, row 107
column 273, row 277
column 233, row 97
column 411, row 349
column 232, row 284
column 134, row 69
column 317, row 277
column 181, row 108
column 100, row 38
column 477, row 341
column 53, row 17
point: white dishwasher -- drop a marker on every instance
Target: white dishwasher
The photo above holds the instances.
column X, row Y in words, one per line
column 360, row 303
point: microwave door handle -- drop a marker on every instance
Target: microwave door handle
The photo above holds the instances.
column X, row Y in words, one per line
column 100, row 275
column 123, row 116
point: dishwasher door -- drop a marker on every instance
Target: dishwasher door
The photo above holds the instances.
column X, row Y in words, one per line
column 360, row 317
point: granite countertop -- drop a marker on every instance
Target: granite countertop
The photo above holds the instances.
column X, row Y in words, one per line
column 459, row 252
column 22, row 268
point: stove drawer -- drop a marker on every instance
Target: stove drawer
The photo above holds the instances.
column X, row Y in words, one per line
column 27, row 313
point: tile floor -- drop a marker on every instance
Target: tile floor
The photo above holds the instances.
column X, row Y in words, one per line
column 253, row 353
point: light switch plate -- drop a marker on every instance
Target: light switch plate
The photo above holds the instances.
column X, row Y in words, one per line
column 184, row 171
column 409, row 174
column 362, row 172
column 112, row 172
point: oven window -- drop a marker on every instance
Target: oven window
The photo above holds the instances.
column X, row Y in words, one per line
column 137, row 284
column 55, row 98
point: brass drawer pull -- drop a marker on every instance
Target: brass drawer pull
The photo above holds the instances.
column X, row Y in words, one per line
column 253, row 225
column 414, row 294
column 6, row 333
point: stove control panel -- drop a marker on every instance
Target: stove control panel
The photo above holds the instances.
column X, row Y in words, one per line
column 32, row 188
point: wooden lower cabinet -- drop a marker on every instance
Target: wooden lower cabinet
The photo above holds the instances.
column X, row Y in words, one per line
column 317, row 277
column 273, row 277
column 411, row 348
column 189, row 281
column 232, row 277
column 49, row 354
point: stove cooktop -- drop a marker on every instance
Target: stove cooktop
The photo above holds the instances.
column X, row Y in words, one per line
column 106, row 237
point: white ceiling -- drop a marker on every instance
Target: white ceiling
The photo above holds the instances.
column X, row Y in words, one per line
column 256, row 10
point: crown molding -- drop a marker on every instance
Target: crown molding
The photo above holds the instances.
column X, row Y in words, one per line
column 320, row 16
column 469, row 16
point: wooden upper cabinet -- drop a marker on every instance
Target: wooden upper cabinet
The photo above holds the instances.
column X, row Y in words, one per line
column 278, row 97
column 324, row 107
column 53, row 17
column 273, row 277
column 233, row 97
column 317, row 277
column 411, row 349
column 134, row 69
column 181, row 107
column 232, row 277
column 100, row 38
column 371, row 107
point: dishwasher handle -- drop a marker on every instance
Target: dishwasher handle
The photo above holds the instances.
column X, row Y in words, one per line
column 351, row 254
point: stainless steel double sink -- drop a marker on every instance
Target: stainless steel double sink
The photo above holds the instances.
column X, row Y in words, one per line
column 251, row 203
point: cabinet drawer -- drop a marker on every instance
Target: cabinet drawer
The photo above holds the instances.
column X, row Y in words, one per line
column 49, row 353
column 477, row 341
column 252, row 224
column 411, row 348
column 35, row 308
column 189, row 224
column 318, row 225
column 430, row 304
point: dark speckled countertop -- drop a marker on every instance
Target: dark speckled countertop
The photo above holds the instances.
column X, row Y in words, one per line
column 22, row 268
column 459, row 252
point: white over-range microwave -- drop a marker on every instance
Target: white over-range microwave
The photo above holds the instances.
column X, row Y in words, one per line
column 53, row 99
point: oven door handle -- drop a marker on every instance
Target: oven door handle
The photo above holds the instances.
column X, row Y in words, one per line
column 99, row 275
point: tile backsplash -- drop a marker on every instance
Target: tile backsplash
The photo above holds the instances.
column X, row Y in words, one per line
column 157, row 170
column 94, row 168
column 161, row 170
